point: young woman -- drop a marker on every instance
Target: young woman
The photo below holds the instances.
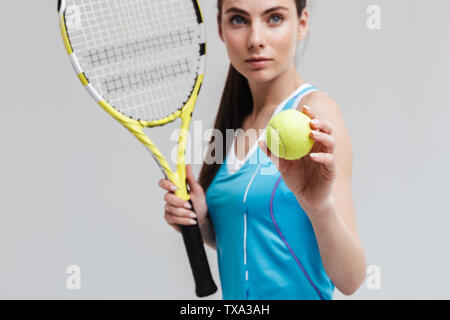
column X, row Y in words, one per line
column 282, row 229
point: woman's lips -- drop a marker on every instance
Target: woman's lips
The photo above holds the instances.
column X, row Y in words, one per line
column 258, row 63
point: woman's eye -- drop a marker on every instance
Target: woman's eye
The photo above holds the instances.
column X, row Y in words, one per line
column 237, row 20
column 276, row 19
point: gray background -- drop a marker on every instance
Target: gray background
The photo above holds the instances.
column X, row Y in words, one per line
column 77, row 189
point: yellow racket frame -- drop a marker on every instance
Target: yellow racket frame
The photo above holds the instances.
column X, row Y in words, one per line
column 136, row 126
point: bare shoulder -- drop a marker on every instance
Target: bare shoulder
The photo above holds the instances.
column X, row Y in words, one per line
column 322, row 104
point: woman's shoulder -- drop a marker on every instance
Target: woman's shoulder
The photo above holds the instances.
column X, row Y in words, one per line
column 325, row 108
column 321, row 104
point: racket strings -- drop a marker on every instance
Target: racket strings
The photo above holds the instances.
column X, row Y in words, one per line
column 107, row 55
column 142, row 56
column 125, row 82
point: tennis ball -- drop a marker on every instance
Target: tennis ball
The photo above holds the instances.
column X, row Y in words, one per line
column 287, row 135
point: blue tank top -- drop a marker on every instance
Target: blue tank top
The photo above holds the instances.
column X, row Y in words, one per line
column 266, row 246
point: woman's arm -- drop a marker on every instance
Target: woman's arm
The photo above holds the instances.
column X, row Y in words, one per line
column 342, row 253
column 335, row 224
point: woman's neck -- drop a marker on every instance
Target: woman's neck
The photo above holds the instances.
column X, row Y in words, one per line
column 268, row 95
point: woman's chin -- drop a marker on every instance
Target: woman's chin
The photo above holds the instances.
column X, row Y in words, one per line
column 259, row 75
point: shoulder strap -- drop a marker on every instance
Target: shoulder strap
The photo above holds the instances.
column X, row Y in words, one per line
column 295, row 100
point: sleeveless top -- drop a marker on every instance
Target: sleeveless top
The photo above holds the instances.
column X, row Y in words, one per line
column 266, row 246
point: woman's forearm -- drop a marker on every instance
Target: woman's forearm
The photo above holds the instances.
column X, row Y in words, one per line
column 342, row 254
column 207, row 230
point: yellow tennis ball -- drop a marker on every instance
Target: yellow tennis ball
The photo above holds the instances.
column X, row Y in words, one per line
column 287, row 135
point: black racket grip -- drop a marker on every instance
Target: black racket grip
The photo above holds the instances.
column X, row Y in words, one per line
column 204, row 283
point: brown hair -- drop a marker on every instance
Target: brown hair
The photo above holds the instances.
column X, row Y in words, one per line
column 236, row 103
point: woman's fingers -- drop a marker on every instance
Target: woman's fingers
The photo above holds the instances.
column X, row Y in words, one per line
column 172, row 219
column 328, row 160
column 180, row 212
column 308, row 111
column 175, row 201
column 167, row 185
column 322, row 125
column 324, row 139
column 176, row 211
column 179, row 216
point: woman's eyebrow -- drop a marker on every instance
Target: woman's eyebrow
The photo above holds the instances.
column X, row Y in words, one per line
column 245, row 13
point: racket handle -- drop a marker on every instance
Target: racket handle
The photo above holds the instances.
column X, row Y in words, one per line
column 204, row 283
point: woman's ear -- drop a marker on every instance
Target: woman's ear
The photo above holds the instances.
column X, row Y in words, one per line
column 303, row 25
column 219, row 26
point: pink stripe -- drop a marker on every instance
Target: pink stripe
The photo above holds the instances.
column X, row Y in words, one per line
column 286, row 243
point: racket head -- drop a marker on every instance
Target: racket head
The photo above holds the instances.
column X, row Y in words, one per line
column 143, row 58
column 142, row 61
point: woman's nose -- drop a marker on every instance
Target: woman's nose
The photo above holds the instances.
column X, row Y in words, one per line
column 256, row 38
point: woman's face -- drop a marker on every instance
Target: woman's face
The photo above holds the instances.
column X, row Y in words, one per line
column 261, row 36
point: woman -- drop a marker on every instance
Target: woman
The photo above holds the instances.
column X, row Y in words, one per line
column 283, row 229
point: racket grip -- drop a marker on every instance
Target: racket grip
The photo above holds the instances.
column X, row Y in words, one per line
column 204, row 283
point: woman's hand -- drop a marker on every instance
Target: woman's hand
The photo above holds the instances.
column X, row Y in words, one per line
column 179, row 212
column 311, row 178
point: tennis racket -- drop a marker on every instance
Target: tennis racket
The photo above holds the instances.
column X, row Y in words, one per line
column 143, row 61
